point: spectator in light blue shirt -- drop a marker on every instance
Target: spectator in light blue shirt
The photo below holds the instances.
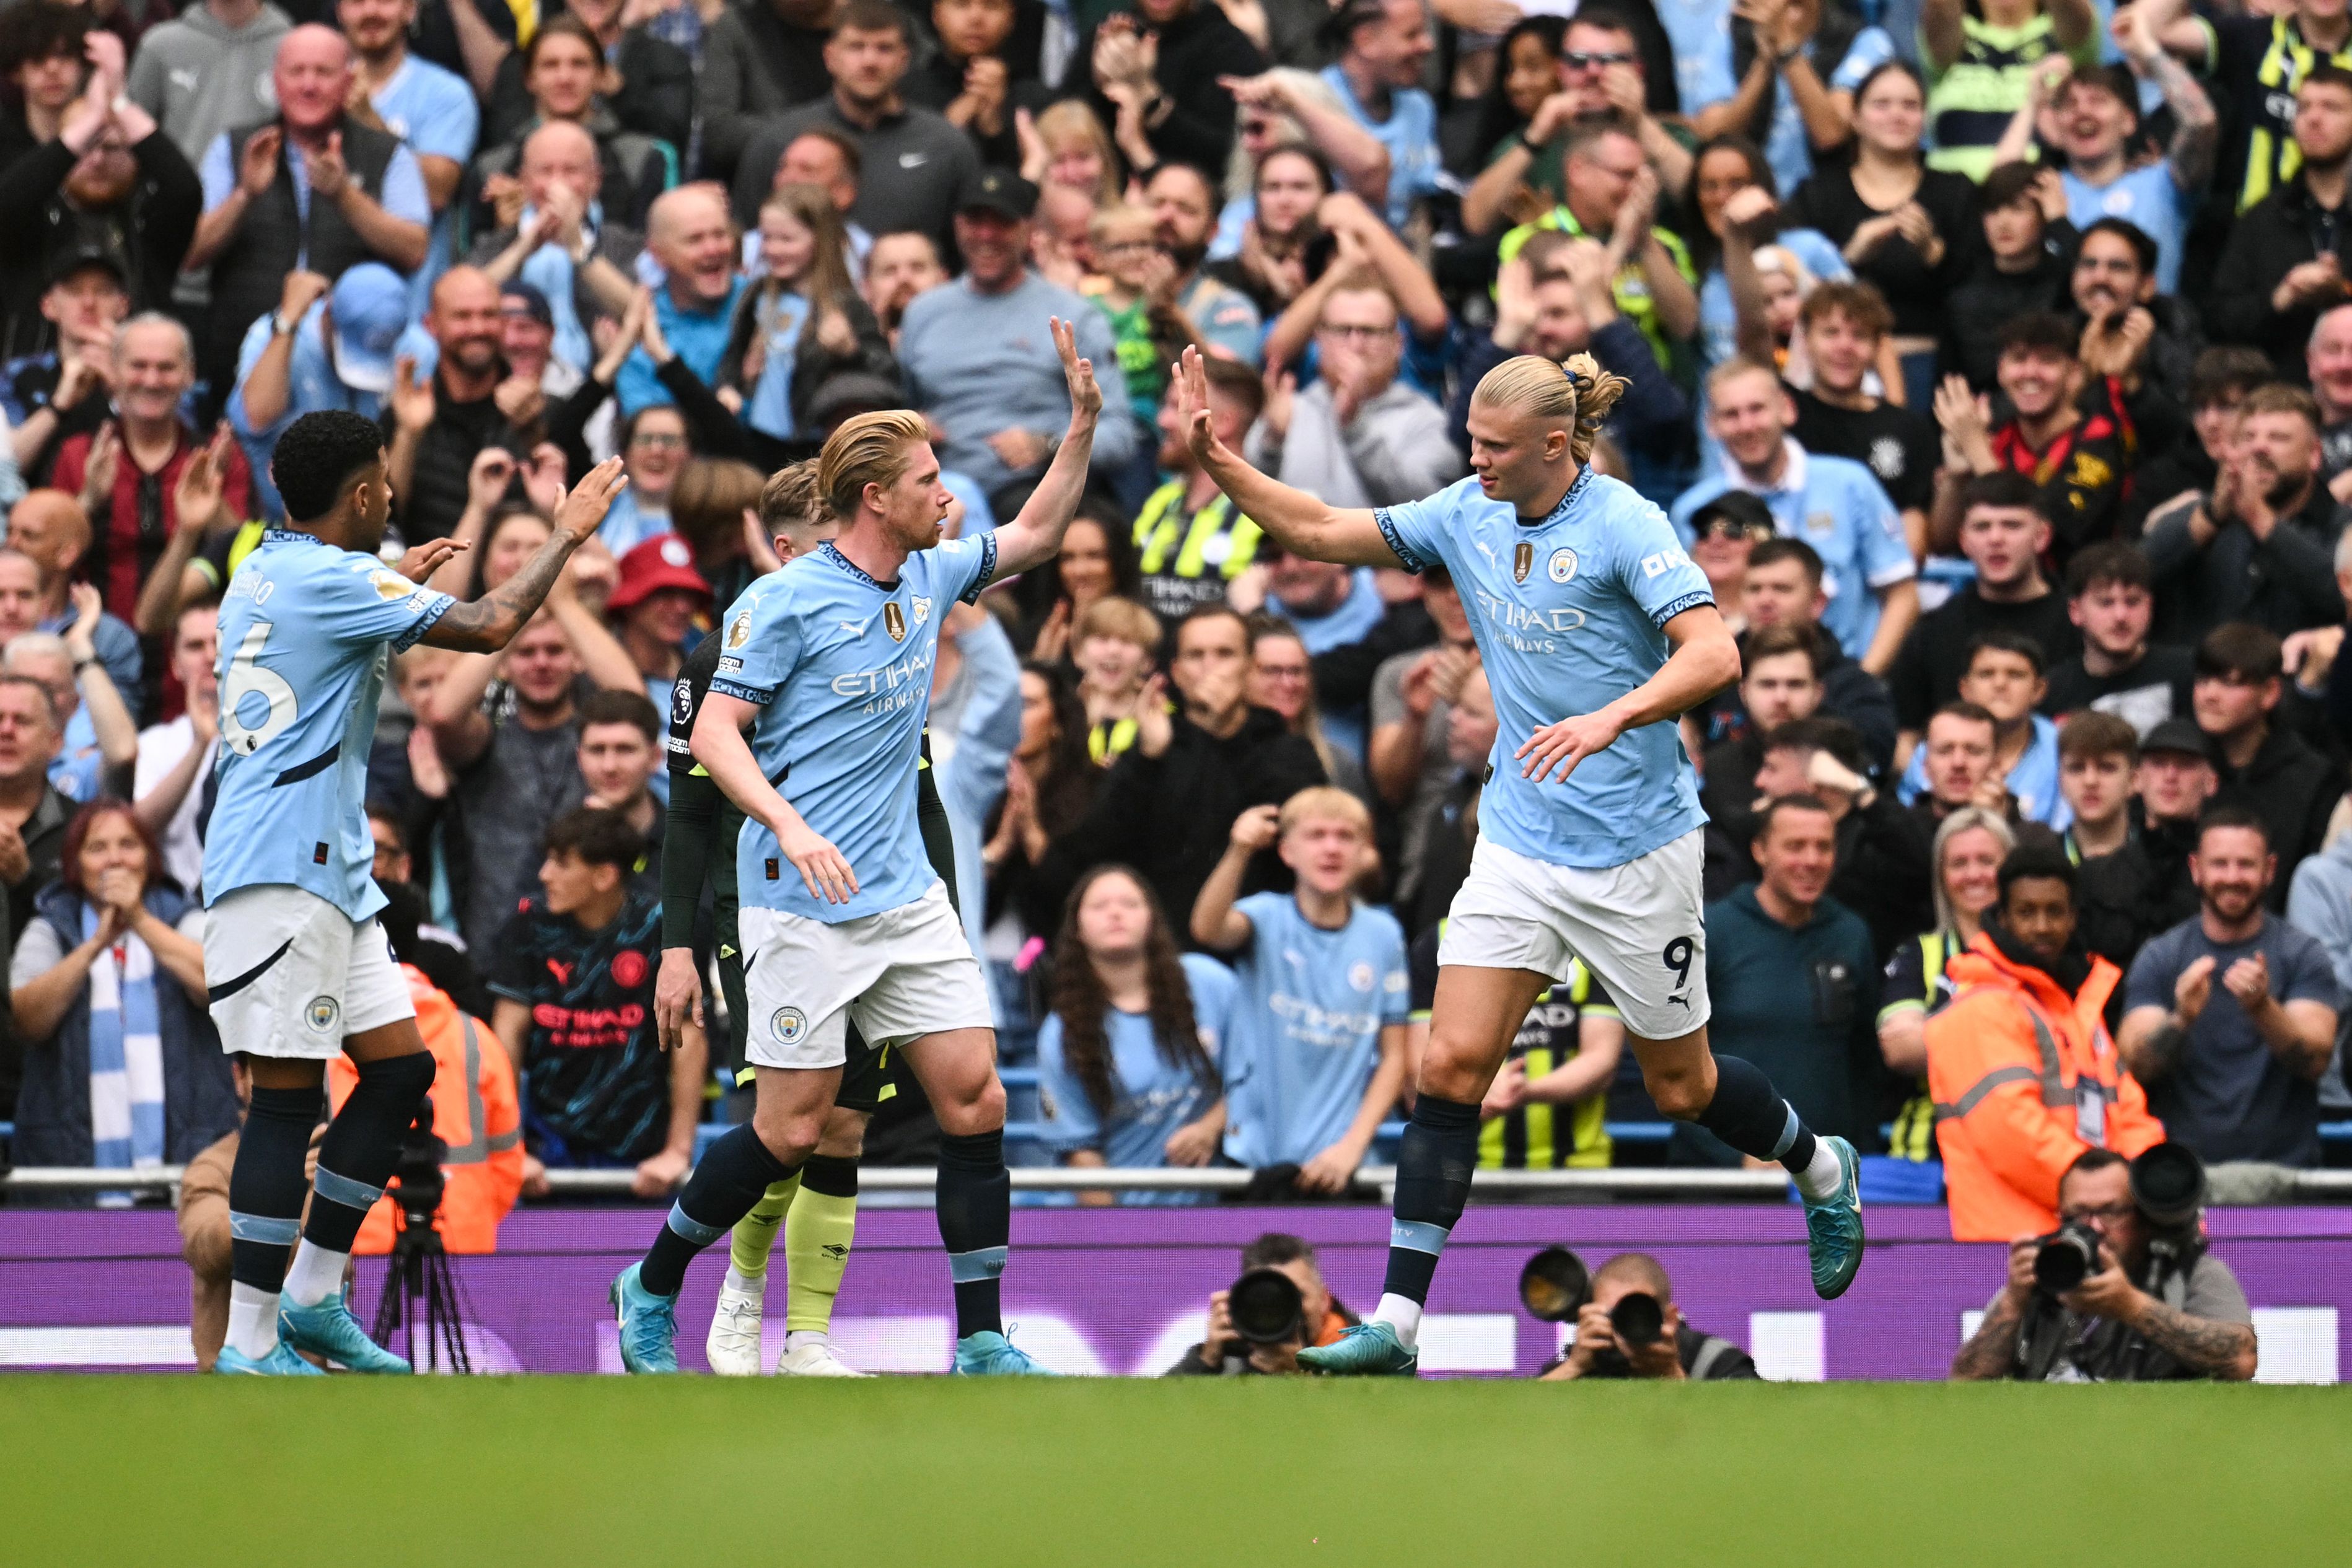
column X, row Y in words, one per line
column 1315, row 1055
column 1384, row 44
column 2005, row 678
column 322, row 349
column 1127, row 1061
column 1834, row 503
column 2098, row 115
column 691, row 234
column 432, row 110
column 1330, row 607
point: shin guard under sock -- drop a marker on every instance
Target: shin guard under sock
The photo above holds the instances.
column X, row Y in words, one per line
column 975, row 1199
column 735, row 1172
column 1434, row 1159
column 265, row 1185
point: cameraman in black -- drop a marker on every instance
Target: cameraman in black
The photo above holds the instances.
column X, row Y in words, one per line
column 1671, row 1351
column 2155, row 1307
column 1261, row 1347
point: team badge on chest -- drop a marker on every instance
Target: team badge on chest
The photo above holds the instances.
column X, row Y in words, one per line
column 894, row 620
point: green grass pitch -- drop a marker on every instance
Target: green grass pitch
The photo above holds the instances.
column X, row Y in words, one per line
column 574, row 1471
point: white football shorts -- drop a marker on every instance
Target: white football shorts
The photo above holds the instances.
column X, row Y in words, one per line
column 291, row 975
column 898, row 974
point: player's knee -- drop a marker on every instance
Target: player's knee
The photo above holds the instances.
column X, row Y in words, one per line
column 408, row 1079
column 844, row 1135
column 980, row 1111
column 1681, row 1094
column 791, row 1136
column 1453, row 1068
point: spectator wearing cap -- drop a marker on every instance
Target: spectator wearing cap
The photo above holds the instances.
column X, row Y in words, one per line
column 689, row 233
column 979, row 363
column 2258, row 762
column 563, row 243
column 311, row 189
column 2170, row 787
column 128, row 474
column 1158, row 70
column 325, row 346
column 653, row 610
column 110, row 180
column 916, row 162
column 63, row 391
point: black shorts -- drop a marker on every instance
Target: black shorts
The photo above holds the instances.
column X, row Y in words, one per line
column 866, row 1078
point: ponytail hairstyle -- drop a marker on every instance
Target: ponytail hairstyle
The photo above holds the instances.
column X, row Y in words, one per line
column 1577, row 391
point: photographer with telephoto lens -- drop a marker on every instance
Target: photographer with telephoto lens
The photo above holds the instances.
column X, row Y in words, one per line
column 2124, row 1290
column 1257, row 1325
column 1627, row 1325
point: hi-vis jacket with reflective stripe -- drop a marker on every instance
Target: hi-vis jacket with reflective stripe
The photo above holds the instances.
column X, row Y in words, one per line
column 2025, row 1078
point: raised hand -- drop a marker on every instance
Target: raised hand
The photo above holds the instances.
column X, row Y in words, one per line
column 98, row 472
column 580, row 513
column 424, row 560
column 1192, row 406
column 197, row 497
column 412, row 400
column 1085, row 393
column 328, row 172
column 487, row 480
column 542, row 477
column 2193, row 989
column 1257, row 828
column 257, row 166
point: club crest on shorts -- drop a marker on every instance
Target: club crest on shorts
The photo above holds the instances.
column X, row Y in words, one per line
column 1563, row 565
column 787, row 1026
column 321, row 1014
column 894, row 620
column 1523, row 562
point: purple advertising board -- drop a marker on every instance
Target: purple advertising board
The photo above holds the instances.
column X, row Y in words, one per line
column 1122, row 1292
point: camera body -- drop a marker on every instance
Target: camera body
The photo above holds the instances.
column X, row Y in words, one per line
column 2168, row 1189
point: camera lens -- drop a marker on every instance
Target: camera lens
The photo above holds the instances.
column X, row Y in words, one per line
column 2168, row 1183
column 2066, row 1258
column 1265, row 1307
column 1637, row 1320
column 1553, row 1285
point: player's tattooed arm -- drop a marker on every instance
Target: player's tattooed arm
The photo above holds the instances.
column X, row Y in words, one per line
column 487, row 624
column 1036, row 535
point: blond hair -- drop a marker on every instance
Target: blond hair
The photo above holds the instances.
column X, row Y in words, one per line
column 868, row 449
column 1121, row 619
column 1577, row 389
column 1105, row 220
column 1325, row 802
column 789, row 500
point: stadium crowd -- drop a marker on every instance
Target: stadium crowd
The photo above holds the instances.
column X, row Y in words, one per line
column 1994, row 361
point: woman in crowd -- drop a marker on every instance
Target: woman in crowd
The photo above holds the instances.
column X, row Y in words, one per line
column 1114, row 649
column 1098, row 560
column 1283, row 108
column 1724, row 167
column 1127, row 1063
column 1528, row 74
column 1903, row 226
column 1263, row 240
column 1282, row 679
column 803, row 323
column 1969, row 849
column 654, row 444
column 121, row 1066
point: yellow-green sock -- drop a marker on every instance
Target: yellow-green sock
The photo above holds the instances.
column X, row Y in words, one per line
column 818, row 1234
column 754, row 1237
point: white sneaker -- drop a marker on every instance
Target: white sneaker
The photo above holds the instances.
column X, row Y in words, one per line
column 733, row 1347
column 815, row 1361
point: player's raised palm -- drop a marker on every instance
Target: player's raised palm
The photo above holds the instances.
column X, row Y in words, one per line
column 1192, row 407
column 579, row 513
column 1085, row 393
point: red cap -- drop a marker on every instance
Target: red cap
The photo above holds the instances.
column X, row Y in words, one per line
column 663, row 561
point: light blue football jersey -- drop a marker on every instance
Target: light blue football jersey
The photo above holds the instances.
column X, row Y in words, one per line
column 1303, row 1045
column 306, row 628
column 1569, row 615
column 841, row 664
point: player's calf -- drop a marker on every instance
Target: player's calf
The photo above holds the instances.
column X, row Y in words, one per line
column 265, row 1200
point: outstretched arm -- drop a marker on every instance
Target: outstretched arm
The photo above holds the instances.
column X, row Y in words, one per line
column 488, row 623
column 1035, row 535
column 1303, row 524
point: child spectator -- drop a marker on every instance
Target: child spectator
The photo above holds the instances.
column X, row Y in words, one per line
column 1317, row 1054
column 2024, row 268
column 1127, row 1061
column 1128, row 288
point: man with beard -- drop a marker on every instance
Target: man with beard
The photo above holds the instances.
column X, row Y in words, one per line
column 914, row 161
column 978, row 367
column 432, row 110
column 2256, row 547
column 900, row 266
column 2284, row 264
column 109, row 180
column 2229, row 1017
column 1183, row 204
column 438, row 425
column 2112, row 285
column 312, row 187
column 2079, row 455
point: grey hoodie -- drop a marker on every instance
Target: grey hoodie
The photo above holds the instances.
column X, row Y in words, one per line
column 199, row 77
column 2320, row 904
column 1395, row 449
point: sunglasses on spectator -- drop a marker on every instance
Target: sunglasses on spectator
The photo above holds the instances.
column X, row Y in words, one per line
column 1580, row 60
column 1733, row 528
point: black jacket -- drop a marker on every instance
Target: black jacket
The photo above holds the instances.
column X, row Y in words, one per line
column 2287, row 582
column 2123, row 899
column 152, row 225
column 1170, row 816
column 1195, row 50
column 656, row 97
column 2294, row 790
column 1926, row 670
column 2269, row 239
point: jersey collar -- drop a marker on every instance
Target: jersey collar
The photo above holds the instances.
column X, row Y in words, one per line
column 1567, row 502
column 854, row 569
column 290, row 537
